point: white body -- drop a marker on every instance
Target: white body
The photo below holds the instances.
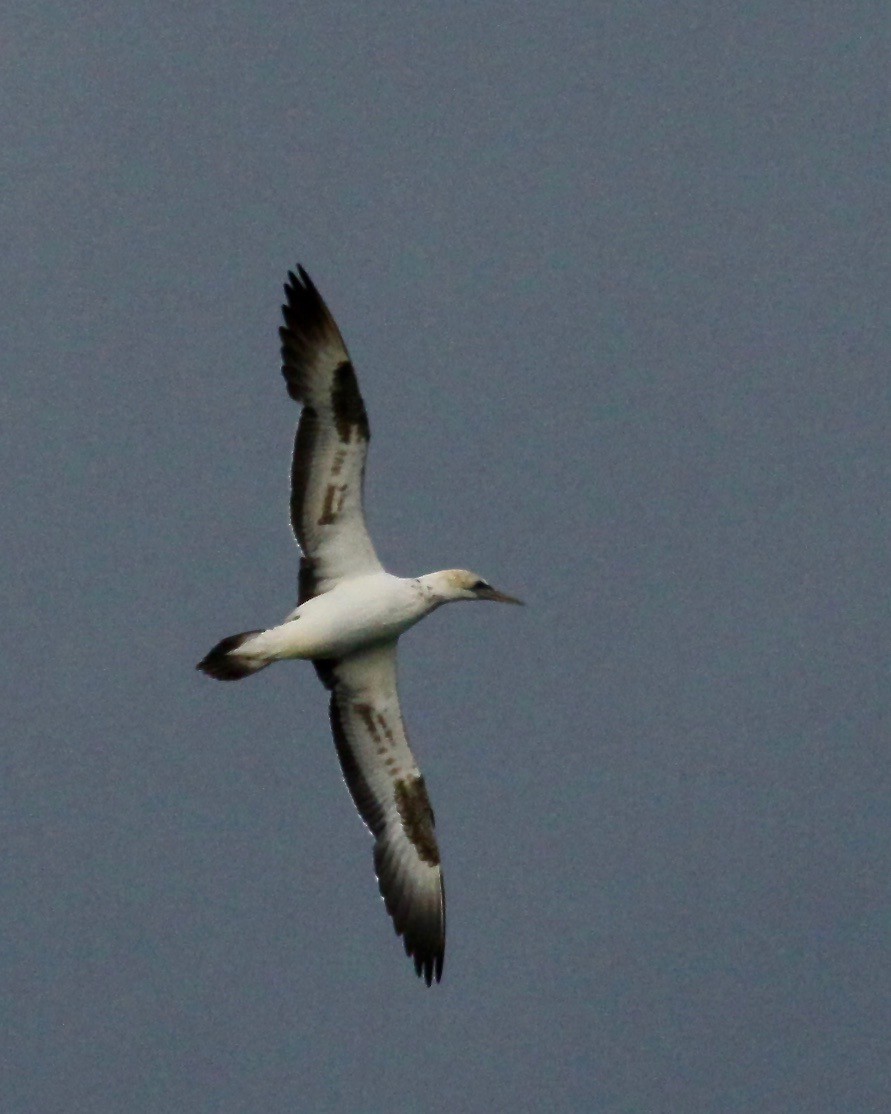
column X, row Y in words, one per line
column 352, row 616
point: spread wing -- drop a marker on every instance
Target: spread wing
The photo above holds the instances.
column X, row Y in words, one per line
column 389, row 792
column 331, row 444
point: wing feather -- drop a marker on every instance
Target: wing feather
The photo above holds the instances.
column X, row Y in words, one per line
column 389, row 792
column 330, row 445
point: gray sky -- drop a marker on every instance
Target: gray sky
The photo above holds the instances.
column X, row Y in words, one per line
column 615, row 279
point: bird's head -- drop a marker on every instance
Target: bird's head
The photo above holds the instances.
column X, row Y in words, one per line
column 461, row 584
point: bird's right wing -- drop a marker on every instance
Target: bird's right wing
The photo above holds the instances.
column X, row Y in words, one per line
column 328, row 466
column 389, row 792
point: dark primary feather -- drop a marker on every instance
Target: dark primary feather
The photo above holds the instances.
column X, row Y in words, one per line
column 308, row 328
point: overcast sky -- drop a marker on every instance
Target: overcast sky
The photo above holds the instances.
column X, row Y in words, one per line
column 615, row 280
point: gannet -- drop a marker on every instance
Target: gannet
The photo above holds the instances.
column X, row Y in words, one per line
column 349, row 616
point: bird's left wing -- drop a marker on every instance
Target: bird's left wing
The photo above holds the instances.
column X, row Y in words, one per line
column 389, row 792
column 328, row 466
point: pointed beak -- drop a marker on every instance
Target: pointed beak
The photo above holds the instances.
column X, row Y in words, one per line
column 500, row 597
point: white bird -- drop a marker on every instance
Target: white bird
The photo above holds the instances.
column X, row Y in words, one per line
column 349, row 617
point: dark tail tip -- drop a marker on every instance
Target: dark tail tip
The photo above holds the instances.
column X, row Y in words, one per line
column 224, row 664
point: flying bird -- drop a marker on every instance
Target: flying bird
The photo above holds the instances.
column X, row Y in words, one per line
column 349, row 616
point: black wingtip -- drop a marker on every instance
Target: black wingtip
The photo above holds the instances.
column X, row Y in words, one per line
column 299, row 283
column 304, row 311
column 429, row 969
column 308, row 326
column 421, row 927
column 428, row 955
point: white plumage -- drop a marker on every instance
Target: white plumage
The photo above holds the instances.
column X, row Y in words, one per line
column 349, row 616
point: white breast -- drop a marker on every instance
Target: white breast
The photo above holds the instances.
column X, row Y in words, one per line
column 355, row 614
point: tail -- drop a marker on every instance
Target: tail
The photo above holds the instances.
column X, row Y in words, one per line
column 231, row 659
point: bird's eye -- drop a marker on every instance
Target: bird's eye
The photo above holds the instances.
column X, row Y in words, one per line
column 479, row 586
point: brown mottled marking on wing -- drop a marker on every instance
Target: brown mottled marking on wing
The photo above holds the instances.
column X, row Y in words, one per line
column 347, row 405
column 366, row 714
column 385, row 728
column 417, row 818
column 366, row 800
column 333, row 505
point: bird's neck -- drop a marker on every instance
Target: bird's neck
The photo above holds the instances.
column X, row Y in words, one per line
column 435, row 589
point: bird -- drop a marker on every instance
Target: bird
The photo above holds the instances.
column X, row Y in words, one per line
column 349, row 616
